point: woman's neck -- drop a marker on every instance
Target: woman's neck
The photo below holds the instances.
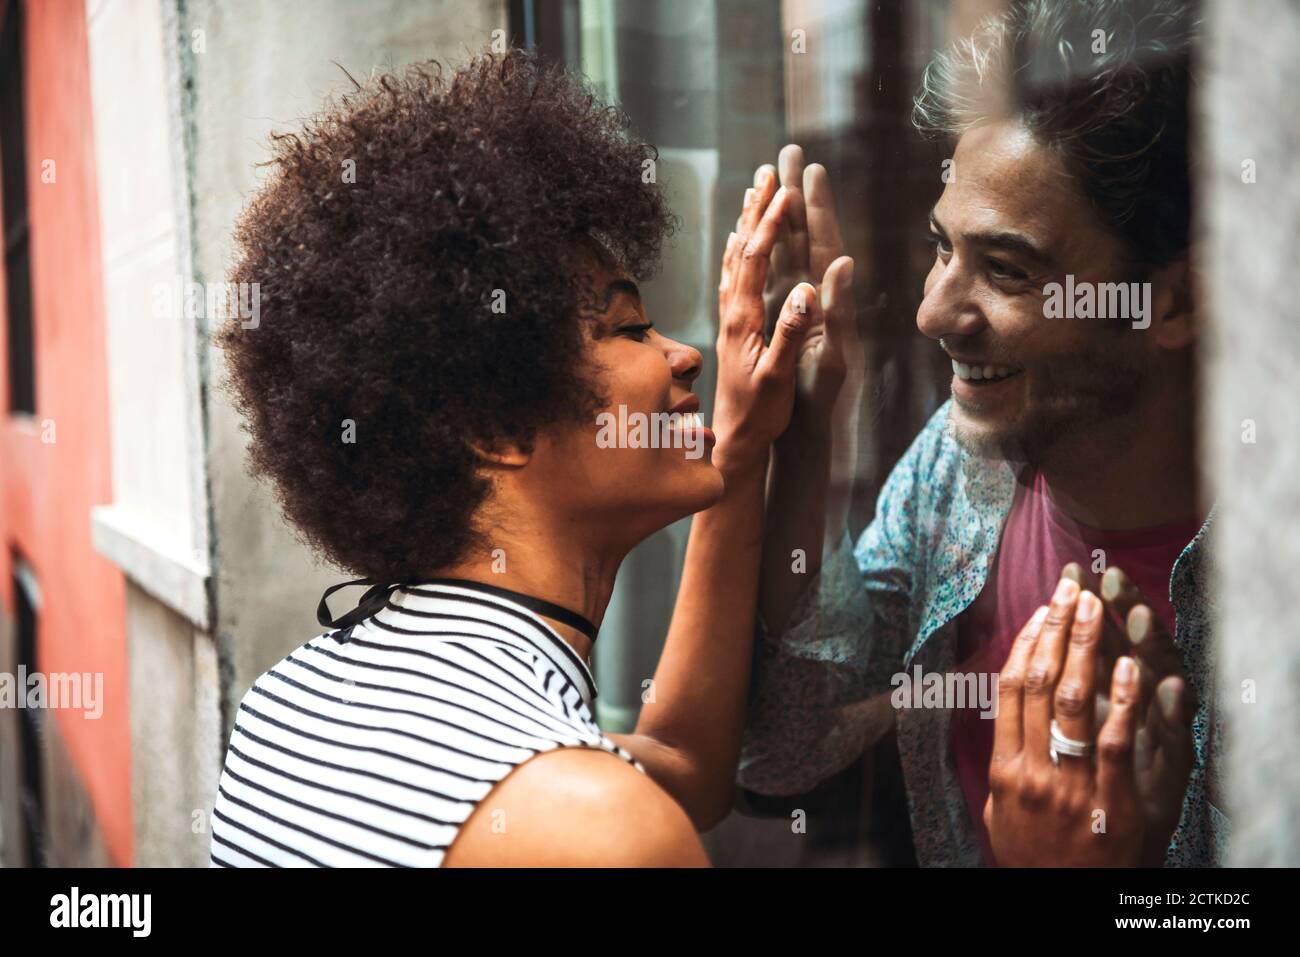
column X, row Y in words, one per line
column 562, row 569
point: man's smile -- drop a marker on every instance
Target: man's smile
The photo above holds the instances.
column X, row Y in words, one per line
column 969, row 372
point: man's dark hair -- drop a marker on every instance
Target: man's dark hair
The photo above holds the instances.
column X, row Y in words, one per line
column 1105, row 82
column 377, row 294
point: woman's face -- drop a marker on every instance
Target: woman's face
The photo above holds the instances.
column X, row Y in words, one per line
column 644, row 460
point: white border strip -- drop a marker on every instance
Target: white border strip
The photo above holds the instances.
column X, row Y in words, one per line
column 178, row 581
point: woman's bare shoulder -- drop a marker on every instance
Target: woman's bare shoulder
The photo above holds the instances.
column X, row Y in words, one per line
column 577, row 807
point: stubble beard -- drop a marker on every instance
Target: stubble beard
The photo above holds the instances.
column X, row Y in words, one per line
column 1070, row 398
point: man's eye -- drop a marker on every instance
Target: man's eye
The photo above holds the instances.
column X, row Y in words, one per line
column 939, row 243
column 1001, row 270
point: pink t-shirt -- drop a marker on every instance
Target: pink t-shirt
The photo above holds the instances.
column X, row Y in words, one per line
column 1038, row 541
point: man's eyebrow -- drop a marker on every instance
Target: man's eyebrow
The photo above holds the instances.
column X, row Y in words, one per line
column 1006, row 240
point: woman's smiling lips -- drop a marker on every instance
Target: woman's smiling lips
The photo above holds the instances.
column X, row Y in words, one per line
column 689, row 410
column 690, row 403
column 705, row 431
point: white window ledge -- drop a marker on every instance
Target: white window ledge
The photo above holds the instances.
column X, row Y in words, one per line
column 178, row 581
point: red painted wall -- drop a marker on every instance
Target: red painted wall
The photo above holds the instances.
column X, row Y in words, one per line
column 47, row 490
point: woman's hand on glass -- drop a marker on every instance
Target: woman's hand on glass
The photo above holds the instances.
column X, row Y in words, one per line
column 756, row 380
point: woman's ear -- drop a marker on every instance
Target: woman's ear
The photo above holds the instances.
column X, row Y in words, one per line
column 1173, row 309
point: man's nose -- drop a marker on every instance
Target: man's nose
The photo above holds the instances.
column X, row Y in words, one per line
column 685, row 361
column 948, row 309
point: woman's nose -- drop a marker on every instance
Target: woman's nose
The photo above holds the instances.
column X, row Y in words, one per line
column 685, row 361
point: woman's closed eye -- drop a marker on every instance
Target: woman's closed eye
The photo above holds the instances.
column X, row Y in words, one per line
column 637, row 332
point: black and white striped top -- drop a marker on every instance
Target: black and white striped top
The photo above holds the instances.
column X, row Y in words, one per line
column 374, row 750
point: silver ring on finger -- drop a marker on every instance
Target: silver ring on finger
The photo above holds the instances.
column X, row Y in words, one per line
column 1060, row 744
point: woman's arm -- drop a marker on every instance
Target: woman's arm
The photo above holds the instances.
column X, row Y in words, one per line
column 688, row 734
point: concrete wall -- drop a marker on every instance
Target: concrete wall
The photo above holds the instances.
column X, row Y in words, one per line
column 1251, row 246
column 175, row 734
column 155, row 529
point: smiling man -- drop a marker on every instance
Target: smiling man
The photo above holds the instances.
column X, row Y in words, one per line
column 1068, row 443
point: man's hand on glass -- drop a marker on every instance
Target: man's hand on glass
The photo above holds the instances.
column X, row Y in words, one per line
column 809, row 248
column 1072, row 784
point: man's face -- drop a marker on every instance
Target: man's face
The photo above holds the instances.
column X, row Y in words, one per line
column 1010, row 222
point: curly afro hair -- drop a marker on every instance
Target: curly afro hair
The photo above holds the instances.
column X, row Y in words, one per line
column 391, row 232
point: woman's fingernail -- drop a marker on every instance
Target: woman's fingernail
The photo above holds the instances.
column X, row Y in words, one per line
column 1088, row 607
column 1065, row 590
column 1126, row 669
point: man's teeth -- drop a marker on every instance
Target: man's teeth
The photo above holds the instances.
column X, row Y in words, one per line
column 970, row 372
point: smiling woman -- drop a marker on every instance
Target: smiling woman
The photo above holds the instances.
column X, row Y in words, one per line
column 451, row 452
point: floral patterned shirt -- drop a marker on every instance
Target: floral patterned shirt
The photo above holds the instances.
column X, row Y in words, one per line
column 821, row 687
